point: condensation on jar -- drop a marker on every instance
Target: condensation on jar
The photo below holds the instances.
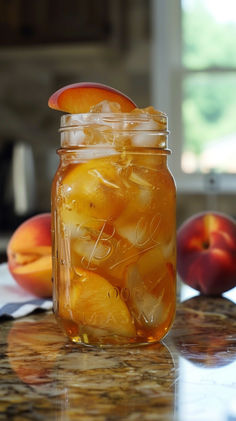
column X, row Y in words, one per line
column 114, row 230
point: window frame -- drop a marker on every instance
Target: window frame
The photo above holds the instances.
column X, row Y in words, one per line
column 167, row 73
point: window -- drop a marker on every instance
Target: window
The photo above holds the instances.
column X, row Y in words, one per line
column 194, row 81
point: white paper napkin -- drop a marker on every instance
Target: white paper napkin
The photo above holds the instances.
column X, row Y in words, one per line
column 15, row 302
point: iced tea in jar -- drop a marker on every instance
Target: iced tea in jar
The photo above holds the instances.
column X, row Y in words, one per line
column 113, row 212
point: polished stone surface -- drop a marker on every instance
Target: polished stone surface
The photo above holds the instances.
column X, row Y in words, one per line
column 191, row 376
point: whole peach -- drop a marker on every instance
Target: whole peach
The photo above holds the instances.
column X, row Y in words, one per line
column 206, row 252
column 29, row 255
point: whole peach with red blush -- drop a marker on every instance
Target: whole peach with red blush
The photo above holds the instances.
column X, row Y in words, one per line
column 29, row 255
column 206, row 252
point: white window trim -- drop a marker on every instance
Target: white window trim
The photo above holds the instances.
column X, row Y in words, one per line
column 166, row 95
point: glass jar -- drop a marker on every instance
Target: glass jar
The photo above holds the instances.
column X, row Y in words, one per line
column 114, row 229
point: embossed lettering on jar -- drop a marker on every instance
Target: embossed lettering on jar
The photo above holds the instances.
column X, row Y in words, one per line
column 114, row 252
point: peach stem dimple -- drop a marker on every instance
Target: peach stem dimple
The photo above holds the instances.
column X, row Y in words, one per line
column 206, row 245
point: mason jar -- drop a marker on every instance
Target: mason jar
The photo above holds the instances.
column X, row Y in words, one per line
column 114, row 229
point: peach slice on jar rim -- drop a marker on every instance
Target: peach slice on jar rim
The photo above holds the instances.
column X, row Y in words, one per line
column 81, row 97
column 94, row 302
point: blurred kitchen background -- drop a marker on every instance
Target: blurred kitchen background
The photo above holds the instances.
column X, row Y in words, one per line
column 176, row 55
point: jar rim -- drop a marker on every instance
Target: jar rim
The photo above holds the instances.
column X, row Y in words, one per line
column 141, row 129
column 148, row 122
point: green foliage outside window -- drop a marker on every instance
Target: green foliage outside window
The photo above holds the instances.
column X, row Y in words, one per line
column 209, row 98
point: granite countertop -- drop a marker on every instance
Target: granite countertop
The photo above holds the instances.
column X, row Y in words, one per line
column 190, row 376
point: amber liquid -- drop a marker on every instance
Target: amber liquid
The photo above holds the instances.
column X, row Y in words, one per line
column 114, row 247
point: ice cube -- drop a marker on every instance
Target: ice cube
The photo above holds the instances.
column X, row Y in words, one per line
column 148, row 309
column 137, row 179
column 169, row 248
column 135, row 232
column 87, row 136
column 140, row 228
column 134, row 221
column 157, row 115
column 72, row 137
column 147, row 130
column 92, row 253
column 106, row 107
column 103, row 250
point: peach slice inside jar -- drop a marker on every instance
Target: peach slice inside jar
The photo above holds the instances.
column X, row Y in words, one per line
column 150, row 309
column 94, row 302
column 94, row 189
column 104, row 252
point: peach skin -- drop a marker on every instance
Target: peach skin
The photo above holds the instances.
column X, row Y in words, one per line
column 29, row 255
column 206, row 249
column 81, row 97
